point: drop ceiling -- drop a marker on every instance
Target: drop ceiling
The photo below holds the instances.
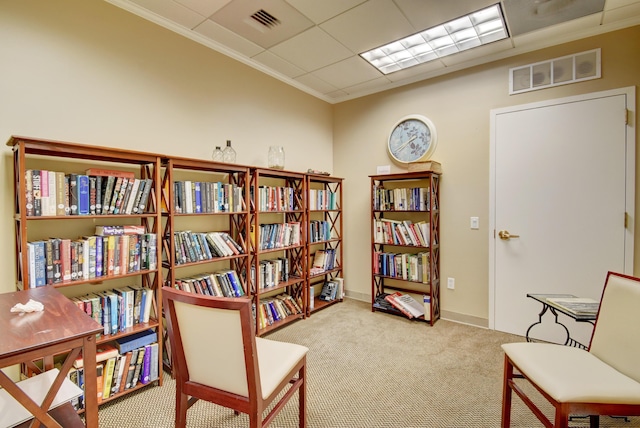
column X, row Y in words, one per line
column 314, row 45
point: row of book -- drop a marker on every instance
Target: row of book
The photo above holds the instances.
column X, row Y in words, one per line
column 323, row 260
column 321, row 199
column 275, row 309
column 97, row 192
column 401, row 199
column 406, row 304
column 409, row 267
column 272, row 198
column 119, row 308
column 195, row 197
column 60, row 260
column 191, row 247
column 120, row 370
column 319, row 230
column 401, row 232
column 224, row 283
column 271, row 272
column 278, row 235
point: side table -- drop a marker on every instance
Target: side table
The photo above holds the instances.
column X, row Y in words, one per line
column 60, row 328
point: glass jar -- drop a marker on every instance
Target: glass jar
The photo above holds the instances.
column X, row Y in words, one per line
column 276, row 157
column 217, row 155
column 228, row 154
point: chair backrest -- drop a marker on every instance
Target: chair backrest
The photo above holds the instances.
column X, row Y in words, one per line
column 616, row 335
column 212, row 341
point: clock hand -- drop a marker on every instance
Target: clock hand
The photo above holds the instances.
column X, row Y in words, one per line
column 407, row 143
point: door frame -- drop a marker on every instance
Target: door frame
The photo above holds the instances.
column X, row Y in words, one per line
column 630, row 193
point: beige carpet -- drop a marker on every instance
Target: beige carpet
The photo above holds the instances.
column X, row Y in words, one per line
column 370, row 370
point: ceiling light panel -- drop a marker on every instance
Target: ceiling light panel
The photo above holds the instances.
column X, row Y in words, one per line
column 467, row 32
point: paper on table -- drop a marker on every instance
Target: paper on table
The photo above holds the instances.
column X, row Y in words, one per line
column 30, row 306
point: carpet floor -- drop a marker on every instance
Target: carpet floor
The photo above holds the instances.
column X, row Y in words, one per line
column 370, row 370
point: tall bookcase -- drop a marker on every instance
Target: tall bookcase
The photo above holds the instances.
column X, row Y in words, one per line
column 325, row 240
column 65, row 236
column 405, row 241
column 203, row 202
column 278, row 236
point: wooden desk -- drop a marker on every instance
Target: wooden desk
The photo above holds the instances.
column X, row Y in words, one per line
column 61, row 327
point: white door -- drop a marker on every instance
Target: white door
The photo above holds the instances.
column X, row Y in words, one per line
column 563, row 180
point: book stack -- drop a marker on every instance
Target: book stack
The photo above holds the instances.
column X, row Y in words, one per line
column 224, row 283
column 406, row 304
column 409, row 267
column 401, row 232
column 322, row 199
column 401, row 199
column 275, row 309
column 192, row 247
column 97, row 192
column 279, row 235
column 319, row 230
column 272, row 198
column 271, row 272
column 323, row 261
column 118, row 309
column 195, row 197
column 114, row 250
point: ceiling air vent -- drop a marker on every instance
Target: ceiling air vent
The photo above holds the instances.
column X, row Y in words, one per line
column 265, row 18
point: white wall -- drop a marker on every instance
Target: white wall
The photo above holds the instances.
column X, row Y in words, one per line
column 459, row 105
column 88, row 72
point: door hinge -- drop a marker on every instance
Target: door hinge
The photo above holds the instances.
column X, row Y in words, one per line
column 626, row 220
column 626, row 116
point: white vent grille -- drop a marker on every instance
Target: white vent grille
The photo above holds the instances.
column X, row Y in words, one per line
column 559, row 71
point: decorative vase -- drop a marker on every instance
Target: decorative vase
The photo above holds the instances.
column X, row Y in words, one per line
column 276, row 157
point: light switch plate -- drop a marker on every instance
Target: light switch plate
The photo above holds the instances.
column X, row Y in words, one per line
column 475, row 223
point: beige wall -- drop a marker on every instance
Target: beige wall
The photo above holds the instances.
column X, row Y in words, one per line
column 86, row 71
column 459, row 105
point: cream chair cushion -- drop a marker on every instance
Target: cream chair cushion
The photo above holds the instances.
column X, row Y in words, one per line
column 570, row 374
column 275, row 360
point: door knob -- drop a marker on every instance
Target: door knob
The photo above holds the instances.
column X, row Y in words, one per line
column 505, row 235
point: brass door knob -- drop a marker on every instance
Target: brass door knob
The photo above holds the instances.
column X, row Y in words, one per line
column 505, row 235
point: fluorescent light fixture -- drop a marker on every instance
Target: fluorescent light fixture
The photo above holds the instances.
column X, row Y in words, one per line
column 476, row 29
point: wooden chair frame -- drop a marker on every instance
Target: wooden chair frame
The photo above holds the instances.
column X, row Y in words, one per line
column 254, row 404
column 563, row 410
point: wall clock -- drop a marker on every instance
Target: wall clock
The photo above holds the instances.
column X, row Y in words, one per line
column 412, row 139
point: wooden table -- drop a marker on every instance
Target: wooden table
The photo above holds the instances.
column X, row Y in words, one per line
column 62, row 327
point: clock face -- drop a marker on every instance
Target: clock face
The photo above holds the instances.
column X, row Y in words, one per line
column 412, row 139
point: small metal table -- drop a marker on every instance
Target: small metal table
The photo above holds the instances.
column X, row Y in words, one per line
column 548, row 305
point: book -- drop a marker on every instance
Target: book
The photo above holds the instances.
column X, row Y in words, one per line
column 125, row 364
column 410, row 304
column 576, row 305
column 138, row 368
column 137, row 340
column 391, row 299
column 83, row 195
column 109, row 368
column 109, row 172
column 103, row 352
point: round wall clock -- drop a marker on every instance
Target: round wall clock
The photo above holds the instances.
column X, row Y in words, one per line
column 412, row 139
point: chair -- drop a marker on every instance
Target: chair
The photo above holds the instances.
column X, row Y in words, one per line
column 603, row 380
column 217, row 358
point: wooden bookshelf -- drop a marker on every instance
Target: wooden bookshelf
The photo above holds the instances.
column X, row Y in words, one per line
column 404, row 259
column 324, row 230
column 70, row 159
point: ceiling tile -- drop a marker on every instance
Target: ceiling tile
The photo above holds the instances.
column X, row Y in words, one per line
column 222, row 39
column 278, row 64
column 524, row 16
column 557, row 34
column 311, row 50
column 204, row 7
column 317, row 84
column 320, row 11
column 349, row 72
column 624, row 10
column 369, row 25
column 369, row 86
column 172, row 11
column 284, row 21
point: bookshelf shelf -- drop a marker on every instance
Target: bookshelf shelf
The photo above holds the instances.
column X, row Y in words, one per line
column 405, row 224
column 63, row 238
column 324, row 225
column 274, row 227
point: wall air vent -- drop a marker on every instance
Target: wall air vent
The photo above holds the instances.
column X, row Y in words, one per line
column 265, row 18
column 559, row 71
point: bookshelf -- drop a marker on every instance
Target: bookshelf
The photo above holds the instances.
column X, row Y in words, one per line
column 277, row 256
column 64, row 227
column 405, row 242
column 204, row 202
column 325, row 238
